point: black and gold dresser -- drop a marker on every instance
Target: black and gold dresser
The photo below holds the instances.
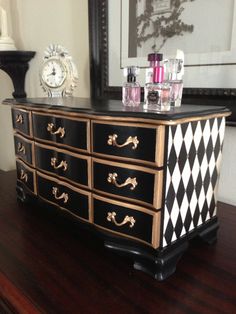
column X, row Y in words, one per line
column 144, row 181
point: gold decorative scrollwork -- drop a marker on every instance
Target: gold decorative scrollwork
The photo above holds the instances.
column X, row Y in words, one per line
column 20, row 148
column 112, row 178
column 130, row 140
column 63, row 196
column 63, row 164
column 111, row 216
column 23, row 176
column 19, row 119
column 60, row 131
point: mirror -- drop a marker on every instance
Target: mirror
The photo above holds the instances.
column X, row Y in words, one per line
column 115, row 41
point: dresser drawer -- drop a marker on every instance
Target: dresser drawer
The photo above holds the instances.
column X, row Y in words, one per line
column 26, row 175
column 127, row 220
column 71, row 166
column 23, row 148
column 63, row 131
column 64, row 195
column 128, row 181
column 21, row 121
column 132, row 141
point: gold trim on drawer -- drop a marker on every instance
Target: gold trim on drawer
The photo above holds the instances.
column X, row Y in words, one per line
column 29, row 141
column 73, row 154
column 157, row 188
column 61, row 115
column 159, row 146
column 155, row 221
column 63, row 183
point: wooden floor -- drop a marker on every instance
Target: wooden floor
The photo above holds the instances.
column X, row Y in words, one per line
column 49, row 265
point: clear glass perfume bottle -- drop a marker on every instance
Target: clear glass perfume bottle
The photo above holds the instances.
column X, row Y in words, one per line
column 158, row 92
column 174, row 75
column 131, row 91
column 154, row 61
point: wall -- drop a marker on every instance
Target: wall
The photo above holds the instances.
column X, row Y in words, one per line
column 35, row 24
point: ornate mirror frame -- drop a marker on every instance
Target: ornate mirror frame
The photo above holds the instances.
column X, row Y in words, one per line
column 98, row 40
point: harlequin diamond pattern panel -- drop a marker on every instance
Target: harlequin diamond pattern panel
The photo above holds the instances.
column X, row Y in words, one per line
column 193, row 161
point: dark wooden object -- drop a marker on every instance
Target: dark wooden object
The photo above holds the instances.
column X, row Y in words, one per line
column 48, row 265
column 99, row 68
column 16, row 64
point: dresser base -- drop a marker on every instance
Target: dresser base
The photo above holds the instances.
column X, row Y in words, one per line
column 161, row 264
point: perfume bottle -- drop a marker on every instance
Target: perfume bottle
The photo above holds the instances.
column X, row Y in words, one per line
column 158, row 92
column 174, row 76
column 154, row 61
column 131, row 91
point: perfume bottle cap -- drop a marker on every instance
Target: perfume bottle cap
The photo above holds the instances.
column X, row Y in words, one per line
column 155, row 57
column 131, row 72
column 158, row 74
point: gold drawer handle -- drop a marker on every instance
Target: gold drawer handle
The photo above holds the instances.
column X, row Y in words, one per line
column 128, row 219
column 112, row 177
column 130, row 140
column 63, row 196
column 23, row 176
column 63, row 164
column 19, row 119
column 21, row 148
column 51, row 128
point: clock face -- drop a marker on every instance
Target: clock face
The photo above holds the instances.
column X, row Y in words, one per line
column 54, row 73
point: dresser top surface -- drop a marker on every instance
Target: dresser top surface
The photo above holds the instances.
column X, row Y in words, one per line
column 115, row 108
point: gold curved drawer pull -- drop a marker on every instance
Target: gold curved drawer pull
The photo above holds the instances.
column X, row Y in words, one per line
column 51, row 129
column 20, row 148
column 23, row 176
column 112, row 177
column 130, row 140
column 63, row 196
column 128, row 219
column 19, row 119
column 63, row 164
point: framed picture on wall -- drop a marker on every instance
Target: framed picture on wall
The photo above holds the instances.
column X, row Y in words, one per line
column 142, row 27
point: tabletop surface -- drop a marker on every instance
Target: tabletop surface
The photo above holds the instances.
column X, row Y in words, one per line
column 49, row 264
column 116, row 108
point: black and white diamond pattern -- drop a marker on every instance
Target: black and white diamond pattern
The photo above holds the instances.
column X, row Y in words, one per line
column 193, row 162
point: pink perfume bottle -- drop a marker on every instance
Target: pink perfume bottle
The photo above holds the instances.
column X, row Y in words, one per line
column 174, row 72
column 154, row 61
column 158, row 92
column 131, row 91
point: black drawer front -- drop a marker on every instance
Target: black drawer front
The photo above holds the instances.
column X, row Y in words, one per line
column 74, row 201
column 146, row 146
column 74, row 134
column 21, row 121
column 25, row 175
column 110, row 178
column 72, row 168
column 142, row 228
column 23, row 148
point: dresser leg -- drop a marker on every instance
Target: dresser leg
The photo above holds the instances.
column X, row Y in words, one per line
column 209, row 235
column 162, row 266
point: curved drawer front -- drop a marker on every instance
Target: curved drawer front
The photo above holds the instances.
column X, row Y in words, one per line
column 62, row 131
column 73, row 167
column 129, row 141
column 127, row 220
column 129, row 182
column 26, row 175
column 21, row 121
column 23, row 148
column 64, row 195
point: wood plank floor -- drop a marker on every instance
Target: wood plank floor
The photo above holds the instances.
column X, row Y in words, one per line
column 49, row 265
